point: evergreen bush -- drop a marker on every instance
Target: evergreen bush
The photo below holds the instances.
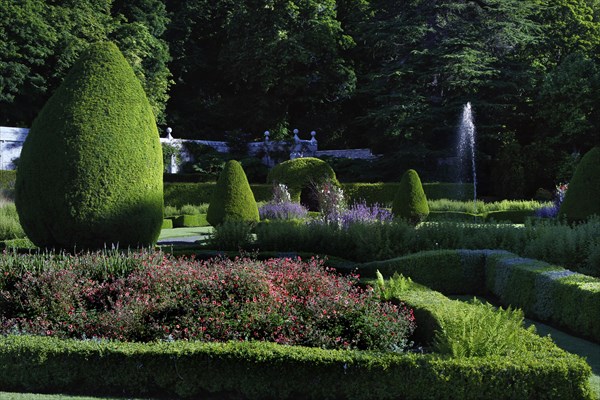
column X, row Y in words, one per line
column 90, row 172
column 301, row 173
column 583, row 197
column 410, row 202
column 232, row 199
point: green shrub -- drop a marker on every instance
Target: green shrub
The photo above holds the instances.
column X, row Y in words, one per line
column 410, row 202
column 300, row 174
column 232, row 199
column 170, row 211
column 167, row 224
column 583, row 197
column 90, row 172
column 189, row 220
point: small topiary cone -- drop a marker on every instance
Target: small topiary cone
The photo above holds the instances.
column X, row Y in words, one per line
column 232, row 199
column 410, row 202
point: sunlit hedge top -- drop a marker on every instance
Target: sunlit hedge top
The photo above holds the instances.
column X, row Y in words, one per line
column 90, row 171
column 300, row 173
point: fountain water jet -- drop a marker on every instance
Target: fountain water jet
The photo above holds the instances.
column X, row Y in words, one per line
column 466, row 146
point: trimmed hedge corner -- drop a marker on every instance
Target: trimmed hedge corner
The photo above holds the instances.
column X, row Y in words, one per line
column 545, row 292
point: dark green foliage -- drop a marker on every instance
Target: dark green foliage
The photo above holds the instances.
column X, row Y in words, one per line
column 449, row 271
column 266, row 370
column 180, row 194
column 384, row 193
column 410, row 202
column 90, row 172
column 232, row 199
column 301, row 173
column 187, row 220
column 583, row 197
column 34, row 60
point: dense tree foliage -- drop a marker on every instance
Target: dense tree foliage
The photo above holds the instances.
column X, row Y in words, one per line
column 386, row 74
column 40, row 41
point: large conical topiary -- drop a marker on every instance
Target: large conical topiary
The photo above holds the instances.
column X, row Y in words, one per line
column 90, row 172
column 232, row 199
column 410, row 202
column 582, row 199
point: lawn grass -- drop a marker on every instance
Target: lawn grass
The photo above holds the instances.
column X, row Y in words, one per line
column 185, row 232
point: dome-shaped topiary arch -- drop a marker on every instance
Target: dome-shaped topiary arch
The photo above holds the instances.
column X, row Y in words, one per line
column 410, row 202
column 582, row 199
column 232, row 199
column 90, row 172
column 300, row 174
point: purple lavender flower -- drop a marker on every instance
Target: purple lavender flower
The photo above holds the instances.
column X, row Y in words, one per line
column 547, row 212
column 284, row 210
column 360, row 212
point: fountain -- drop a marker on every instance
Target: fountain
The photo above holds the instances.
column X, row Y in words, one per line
column 466, row 147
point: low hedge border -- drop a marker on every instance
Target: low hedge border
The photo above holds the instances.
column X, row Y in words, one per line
column 549, row 293
column 259, row 370
column 511, row 216
column 188, row 220
column 546, row 292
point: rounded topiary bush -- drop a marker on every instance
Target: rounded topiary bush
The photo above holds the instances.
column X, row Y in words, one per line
column 90, row 172
column 582, row 199
column 301, row 174
column 232, row 199
column 410, row 202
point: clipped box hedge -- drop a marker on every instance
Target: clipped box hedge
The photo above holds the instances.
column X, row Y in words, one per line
column 259, row 370
column 545, row 292
column 449, row 271
column 384, row 193
column 167, row 223
column 178, row 194
column 189, row 220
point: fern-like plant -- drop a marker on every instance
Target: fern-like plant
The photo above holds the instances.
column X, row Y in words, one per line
column 480, row 330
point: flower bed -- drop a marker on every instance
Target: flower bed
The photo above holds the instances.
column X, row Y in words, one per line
column 150, row 296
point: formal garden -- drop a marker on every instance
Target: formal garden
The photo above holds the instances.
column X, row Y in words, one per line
column 299, row 287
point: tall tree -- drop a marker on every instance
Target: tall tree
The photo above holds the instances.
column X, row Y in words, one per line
column 41, row 40
column 426, row 58
column 261, row 64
